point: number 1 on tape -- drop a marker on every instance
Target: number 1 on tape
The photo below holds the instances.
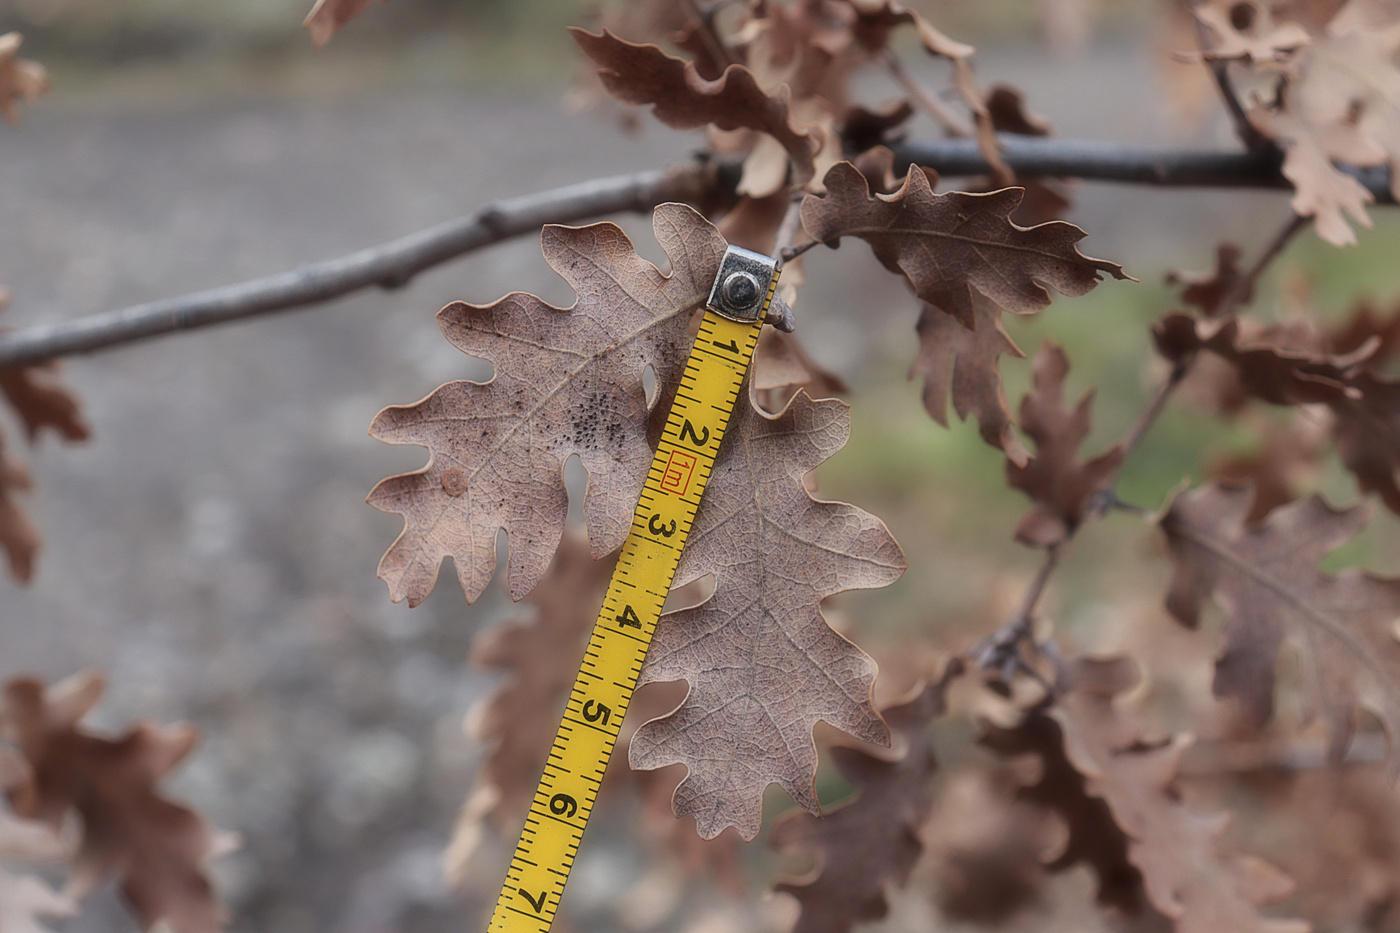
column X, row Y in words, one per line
column 708, row 391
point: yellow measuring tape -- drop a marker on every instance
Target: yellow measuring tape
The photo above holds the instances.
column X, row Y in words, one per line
column 724, row 346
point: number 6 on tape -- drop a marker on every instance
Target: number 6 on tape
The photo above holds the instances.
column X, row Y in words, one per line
column 734, row 313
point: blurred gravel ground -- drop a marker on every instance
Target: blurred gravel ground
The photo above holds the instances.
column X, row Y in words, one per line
column 210, row 550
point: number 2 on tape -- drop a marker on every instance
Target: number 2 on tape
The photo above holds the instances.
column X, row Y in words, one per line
column 739, row 300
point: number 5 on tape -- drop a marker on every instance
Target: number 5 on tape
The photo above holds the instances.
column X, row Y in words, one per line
column 739, row 300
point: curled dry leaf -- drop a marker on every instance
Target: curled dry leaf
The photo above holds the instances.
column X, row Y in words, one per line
column 20, row 79
column 1058, row 482
column 1274, row 365
column 1266, row 581
column 873, row 841
column 1368, row 326
column 1367, row 434
column 327, row 16
column 155, row 847
column 864, row 129
column 1175, row 848
column 763, row 665
column 682, row 98
column 1045, row 199
column 568, row 381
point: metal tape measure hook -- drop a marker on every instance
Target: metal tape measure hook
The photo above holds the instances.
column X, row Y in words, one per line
column 744, row 285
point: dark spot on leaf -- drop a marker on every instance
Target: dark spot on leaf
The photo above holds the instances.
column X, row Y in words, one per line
column 454, row 482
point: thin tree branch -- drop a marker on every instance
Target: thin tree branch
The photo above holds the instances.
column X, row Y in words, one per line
column 1093, row 160
column 393, row 264
column 952, row 124
column 388, row 265
column 1001, row 651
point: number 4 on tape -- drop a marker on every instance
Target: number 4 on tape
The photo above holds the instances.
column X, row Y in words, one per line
column 739, row 300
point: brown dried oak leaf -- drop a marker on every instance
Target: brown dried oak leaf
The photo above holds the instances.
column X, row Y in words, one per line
column 42, row 401
column 873, row 841
column 1339, row 102
column 762, row 663
column 156, row 847
column 1286, row 461
column 1364, row 323
column 1210, row 291
column 25, row 898
column 1266, row 581
column 1091, row 834
column 956, row 249
column 327, row 16
column 1286, row 366
column 540, row 655
column 1058, row 482
column 568, row 381
column 683, row 99
column 960, row 363
column 18, row 536
column 1174, row 847
column 20, row 79
column 951, row 245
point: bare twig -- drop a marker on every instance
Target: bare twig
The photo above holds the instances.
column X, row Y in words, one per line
column 1002, row 650
column 952, row 124
column 1243, row 286
column 792, row 252
column 788, row 231
column 388, row 265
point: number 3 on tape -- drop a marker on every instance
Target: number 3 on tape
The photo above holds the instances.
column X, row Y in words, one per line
column 734, row 313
